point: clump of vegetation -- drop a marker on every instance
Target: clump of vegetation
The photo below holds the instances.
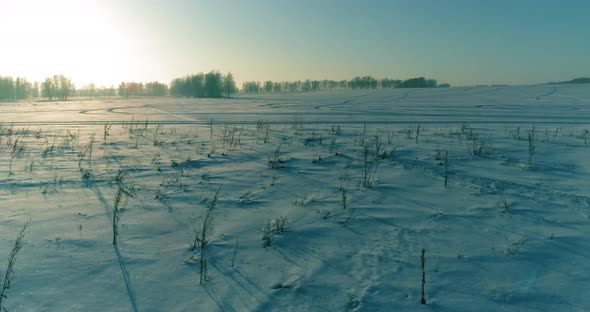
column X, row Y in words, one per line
column 231, row 137
column 513, row 246
column 105, row 133
column 446, row 167
column 119, row 208
column 155, row 140
column 531, row 150
column 422, row 292
column 369, row 167
column 261, row 125
column 233, row 259
column 86, row 156
column 477, row 147
column 271, row 228
column 503, row 205
column 344, row 198
column 345, row 206
column 336, row 130
column 275, row 161
column 202, row 234
column 16, row 151
column 515, row 134
column 9, row 273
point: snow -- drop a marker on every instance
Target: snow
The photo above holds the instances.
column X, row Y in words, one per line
column 529, row 256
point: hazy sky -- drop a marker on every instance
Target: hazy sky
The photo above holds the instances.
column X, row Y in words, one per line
column 458, row 41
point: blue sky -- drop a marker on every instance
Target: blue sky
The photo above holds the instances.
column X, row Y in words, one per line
column 457, row 41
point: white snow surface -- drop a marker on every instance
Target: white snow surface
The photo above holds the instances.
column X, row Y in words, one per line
column 504, row 235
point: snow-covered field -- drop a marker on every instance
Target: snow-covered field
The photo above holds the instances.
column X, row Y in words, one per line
column 360, row 192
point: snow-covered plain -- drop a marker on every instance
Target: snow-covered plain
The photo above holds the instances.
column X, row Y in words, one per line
column 505, row 235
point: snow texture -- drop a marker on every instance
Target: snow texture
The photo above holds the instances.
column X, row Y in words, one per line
column 510, row 232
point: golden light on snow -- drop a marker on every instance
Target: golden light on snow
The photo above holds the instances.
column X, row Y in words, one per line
column 85, row 40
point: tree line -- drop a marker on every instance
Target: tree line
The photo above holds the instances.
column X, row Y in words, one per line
column 153, row 88
column 12, row 89
column 57, row 87
column 365, row 82
column 90, row 90
column 126, row 89
column 201, row 85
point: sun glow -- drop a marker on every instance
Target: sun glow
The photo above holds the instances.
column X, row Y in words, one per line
column 84, row 40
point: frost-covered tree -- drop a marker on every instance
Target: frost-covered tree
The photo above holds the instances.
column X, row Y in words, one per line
column 229, row 85
column 12, row 89
column 58, row 87
column 268, row 86
column 213, row 84
column 200, row 85
column 251, row 87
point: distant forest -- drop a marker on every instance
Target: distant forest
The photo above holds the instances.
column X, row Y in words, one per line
column 366, row 82
column 209, row 85
column 57, row 87
column 573, row 81
column 202, row 85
